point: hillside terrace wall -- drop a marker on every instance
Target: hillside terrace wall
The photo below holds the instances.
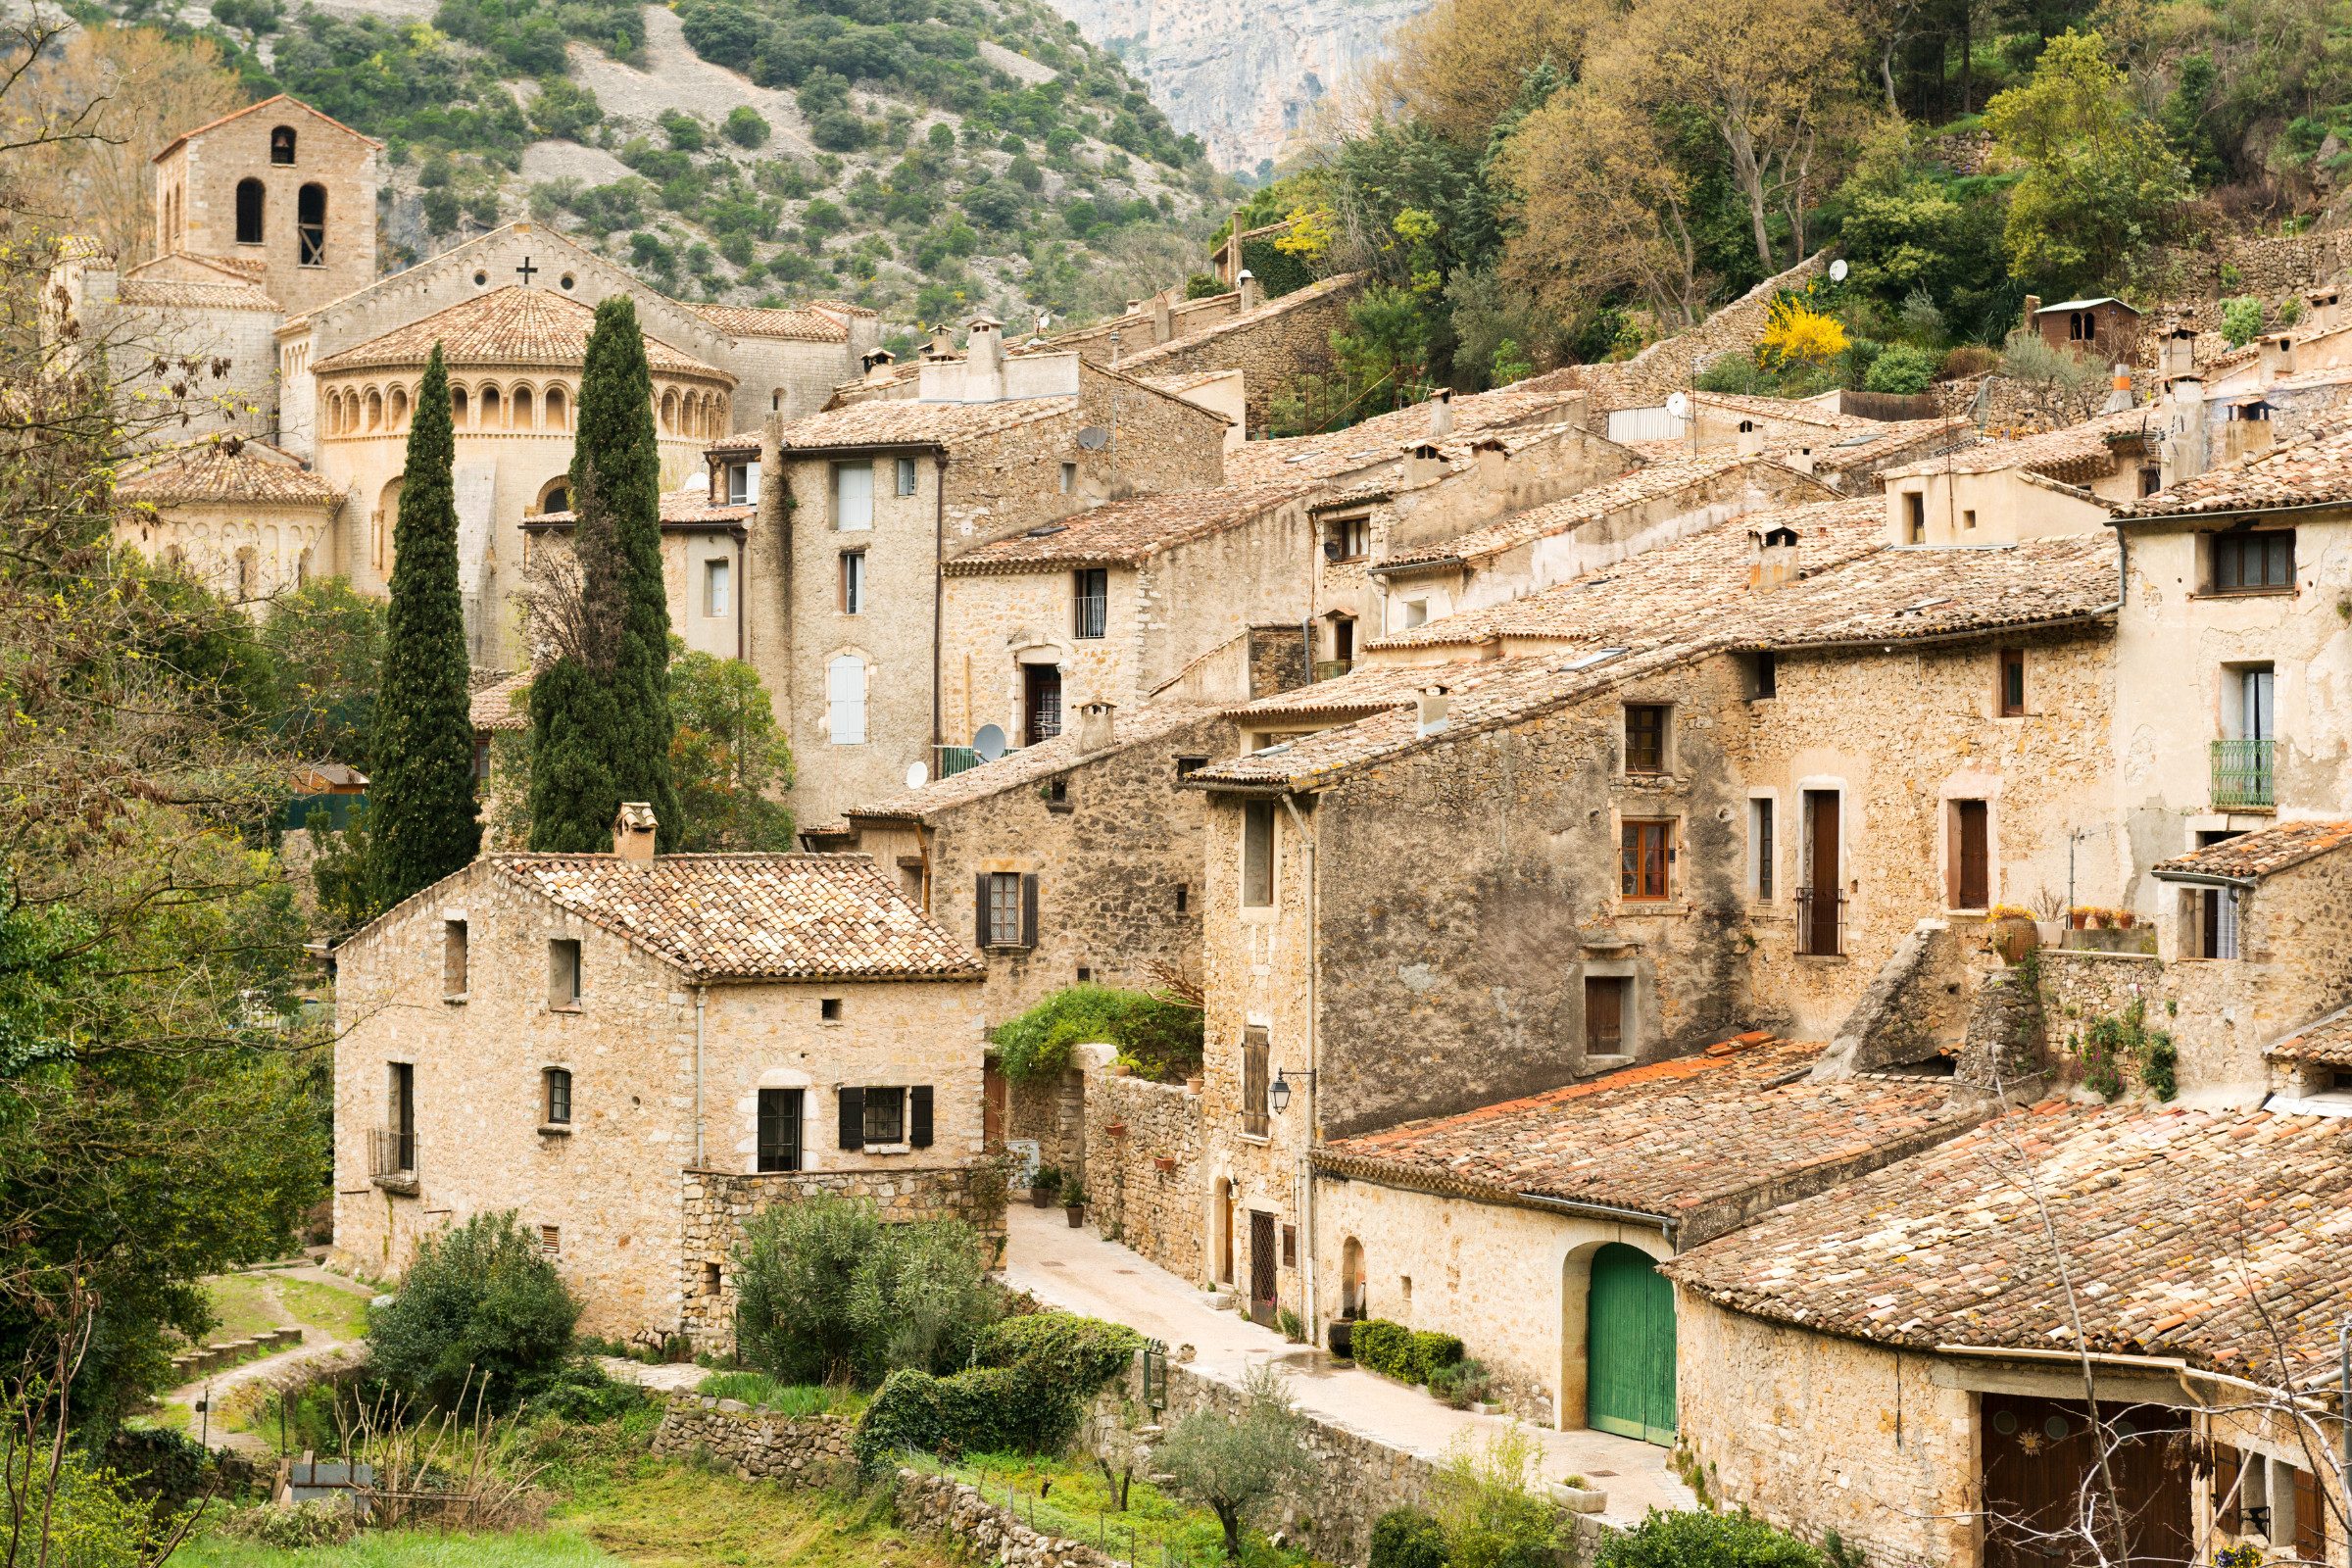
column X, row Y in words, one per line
column 1271, row 348
column 756, row 1444
column 1670, row 363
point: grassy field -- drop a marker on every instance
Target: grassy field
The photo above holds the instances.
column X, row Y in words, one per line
column 243, row 1304
column 785, row 1398
column 404, row 1548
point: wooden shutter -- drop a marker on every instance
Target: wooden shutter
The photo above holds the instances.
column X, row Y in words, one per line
column 1029, row 912
column 2311, row 1517
column 980, row 931
column 853, row 1118
column 918, row 1117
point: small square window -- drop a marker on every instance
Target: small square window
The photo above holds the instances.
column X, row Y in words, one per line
column 1069, row 478
column 1915, row 516
column 564, row 972
column 711, row 1279
column 718, row 586
column 2013, row 683
column 1645, row 738
column 1184, row 898
column 452, row 959
column 550, row 1241
column 1190, row 764
column 829, row 1009
column 1086, row 975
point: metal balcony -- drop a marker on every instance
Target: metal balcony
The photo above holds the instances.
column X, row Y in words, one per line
column 2242, row 774
column 950, row 761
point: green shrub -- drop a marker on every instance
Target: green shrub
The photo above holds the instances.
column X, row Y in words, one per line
column 746, row 127
column 1162, row 1040
column 1082, row 1352
column 1462, row 1384
column 1699, row 1539
column 1490, row 1506
column 2242, row 321
column 1433, row 1352
column 1407, row 1537
column 583, row 1392
column 826, row 1293
column 481, row 1301
column 1385, row 1348
column 1903, row 367
column 983, row 1409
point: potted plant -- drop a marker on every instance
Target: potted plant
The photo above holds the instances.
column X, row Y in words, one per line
column 1073, row 1201
column 2012, row 930
column 2079, row 916
column 1044, row 1185
column 2049, row 918
column 1341, row 1331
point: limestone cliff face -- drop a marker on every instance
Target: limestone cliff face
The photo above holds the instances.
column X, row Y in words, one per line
column 1243, row 76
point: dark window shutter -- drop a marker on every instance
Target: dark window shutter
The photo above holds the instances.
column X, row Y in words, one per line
column 980, row 929
column 918, row 1117
column 1028, row 911
column 853, row 1118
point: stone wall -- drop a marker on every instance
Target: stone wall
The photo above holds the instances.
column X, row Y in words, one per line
column 718, row 1205
column 756, row 1444
column 1270, row 346
column 947, row 1508
column 1917, row 1003
column 1158, row 1212
column 1668, row 365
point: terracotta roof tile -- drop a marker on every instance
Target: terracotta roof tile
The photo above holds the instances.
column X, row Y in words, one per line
column 2079, row 449
column 2260, row 854
column 1030, row 764
column 2327, row 1041
column 801, row 324
column 494, row 705
column 510, row 326
column 2313, row 472
column 1124, row 531
column 904, row 422
column 1383, row 438
column 228, row 469
column 2185, row 1232
column 752, row 916
column 182, row 294
column 1737, row 1124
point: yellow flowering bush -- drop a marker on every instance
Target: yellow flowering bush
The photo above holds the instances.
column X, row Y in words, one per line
column 1795, row 334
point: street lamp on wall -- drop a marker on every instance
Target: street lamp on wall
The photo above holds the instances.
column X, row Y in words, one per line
column 1280, row 1094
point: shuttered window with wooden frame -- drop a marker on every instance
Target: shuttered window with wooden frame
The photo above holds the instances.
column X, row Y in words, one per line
column 1005, row 910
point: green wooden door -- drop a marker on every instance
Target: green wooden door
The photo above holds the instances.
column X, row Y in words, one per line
column 1629, row 1346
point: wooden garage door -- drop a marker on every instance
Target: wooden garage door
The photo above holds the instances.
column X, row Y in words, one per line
column 2040, row 1461
column 1629, row 1346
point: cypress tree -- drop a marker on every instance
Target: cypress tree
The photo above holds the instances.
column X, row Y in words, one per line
column 425, row 821
column 600, row 714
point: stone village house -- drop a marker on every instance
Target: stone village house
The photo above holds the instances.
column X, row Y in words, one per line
column 634, row 1052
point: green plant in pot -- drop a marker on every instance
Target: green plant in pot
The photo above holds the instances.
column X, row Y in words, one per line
column 1044, row 1185
column 1073, row 1203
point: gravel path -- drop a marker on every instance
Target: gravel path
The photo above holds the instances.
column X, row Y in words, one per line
column 317, row 1349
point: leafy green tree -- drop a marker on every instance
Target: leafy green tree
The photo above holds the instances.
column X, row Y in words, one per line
column 426, row 820
column 746, row 127
column 826, row 1292
column 2242, row 321
column 601, row 718
column 726, row 755
column 1235, row 1466
column 480, row 1303
column 2100, row 186
column 325, row 647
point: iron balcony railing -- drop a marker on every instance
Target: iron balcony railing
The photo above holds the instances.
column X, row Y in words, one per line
column 1820, row 922
column 2242, row 774
column 952, row 759
column 1088, row 614
column 391, row 1152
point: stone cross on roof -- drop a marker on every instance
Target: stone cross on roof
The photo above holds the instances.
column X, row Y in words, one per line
column 526, row 272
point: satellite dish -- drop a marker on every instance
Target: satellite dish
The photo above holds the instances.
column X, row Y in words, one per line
column 1837, row 271
column 917, row 775
column 1678, row 405
column 1093, row 437
column 989, row 743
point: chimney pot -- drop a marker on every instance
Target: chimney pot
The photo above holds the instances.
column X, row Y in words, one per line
column 1441, row 414
column 1431, row 709
column 1095, row 726
column 634, row 830
column 1751, row 439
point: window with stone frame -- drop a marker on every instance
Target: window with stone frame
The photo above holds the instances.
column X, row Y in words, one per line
column 1007, row 910
column 1645, row 859
column 779, row 1133
column 454, row 965
column 1347, row 538
column 1258, row 854
column 564, row 972
column 905, row 476
column 2259, row 561
column 1646, row 734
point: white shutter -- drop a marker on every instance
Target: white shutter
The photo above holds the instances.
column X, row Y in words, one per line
column 853, row 497
column 845, row 692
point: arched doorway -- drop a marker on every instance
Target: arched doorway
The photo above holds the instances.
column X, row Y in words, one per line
column 1351, row 1280
column 1629, row 1346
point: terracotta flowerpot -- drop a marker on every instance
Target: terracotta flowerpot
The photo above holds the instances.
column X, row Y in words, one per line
column 1165, row 1164
column 1040, row 1198
column 1117, row 1129
column 1077, row 1214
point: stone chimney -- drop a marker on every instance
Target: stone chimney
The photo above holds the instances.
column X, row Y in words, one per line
column 2277, row 354
column 1494, row 465
column 2178, row 354
column 1772, row 558
column 880, row 364
column 2033, row 308
column 1094, row 727
column 2119, row 391
column 1802, row 459
column 2185, row 439
column 2244, row 437
column 941, row 344
column 1164, row 322
column 1751, row 439
column 1251, row 295
column 633, row 832
column 2320, row 311
column 984, row 359
column 1431, row 707
column 1441, row 414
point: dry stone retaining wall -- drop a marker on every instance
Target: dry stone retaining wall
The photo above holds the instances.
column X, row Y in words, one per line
column 1668, row 365
column 943, row 1507
column 756, row 1444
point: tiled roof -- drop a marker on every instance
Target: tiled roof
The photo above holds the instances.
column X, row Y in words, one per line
column 1124, row 531
column 2328, row 1041
column 228, row 469
column 1656, row 481
column 2079, row 450
column 182, row 294
column 755, row 320
column 1701, row 1140
column 2260, row 854
column 1645, row 592
column 1178, row 385
column 1668, row 606
column 494, row 706
column 1873, row 443
column 2183, row 1233
column 690, row 508
column 904, row 422
column 1383, row 438
column 1792, row 409
column 1031, row 765
column 1323, row 288
column 752, row 916
column 2313, row 472
column 510, row 326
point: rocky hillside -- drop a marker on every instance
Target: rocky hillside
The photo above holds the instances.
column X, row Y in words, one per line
column 926, row 157
column 1243, row 77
